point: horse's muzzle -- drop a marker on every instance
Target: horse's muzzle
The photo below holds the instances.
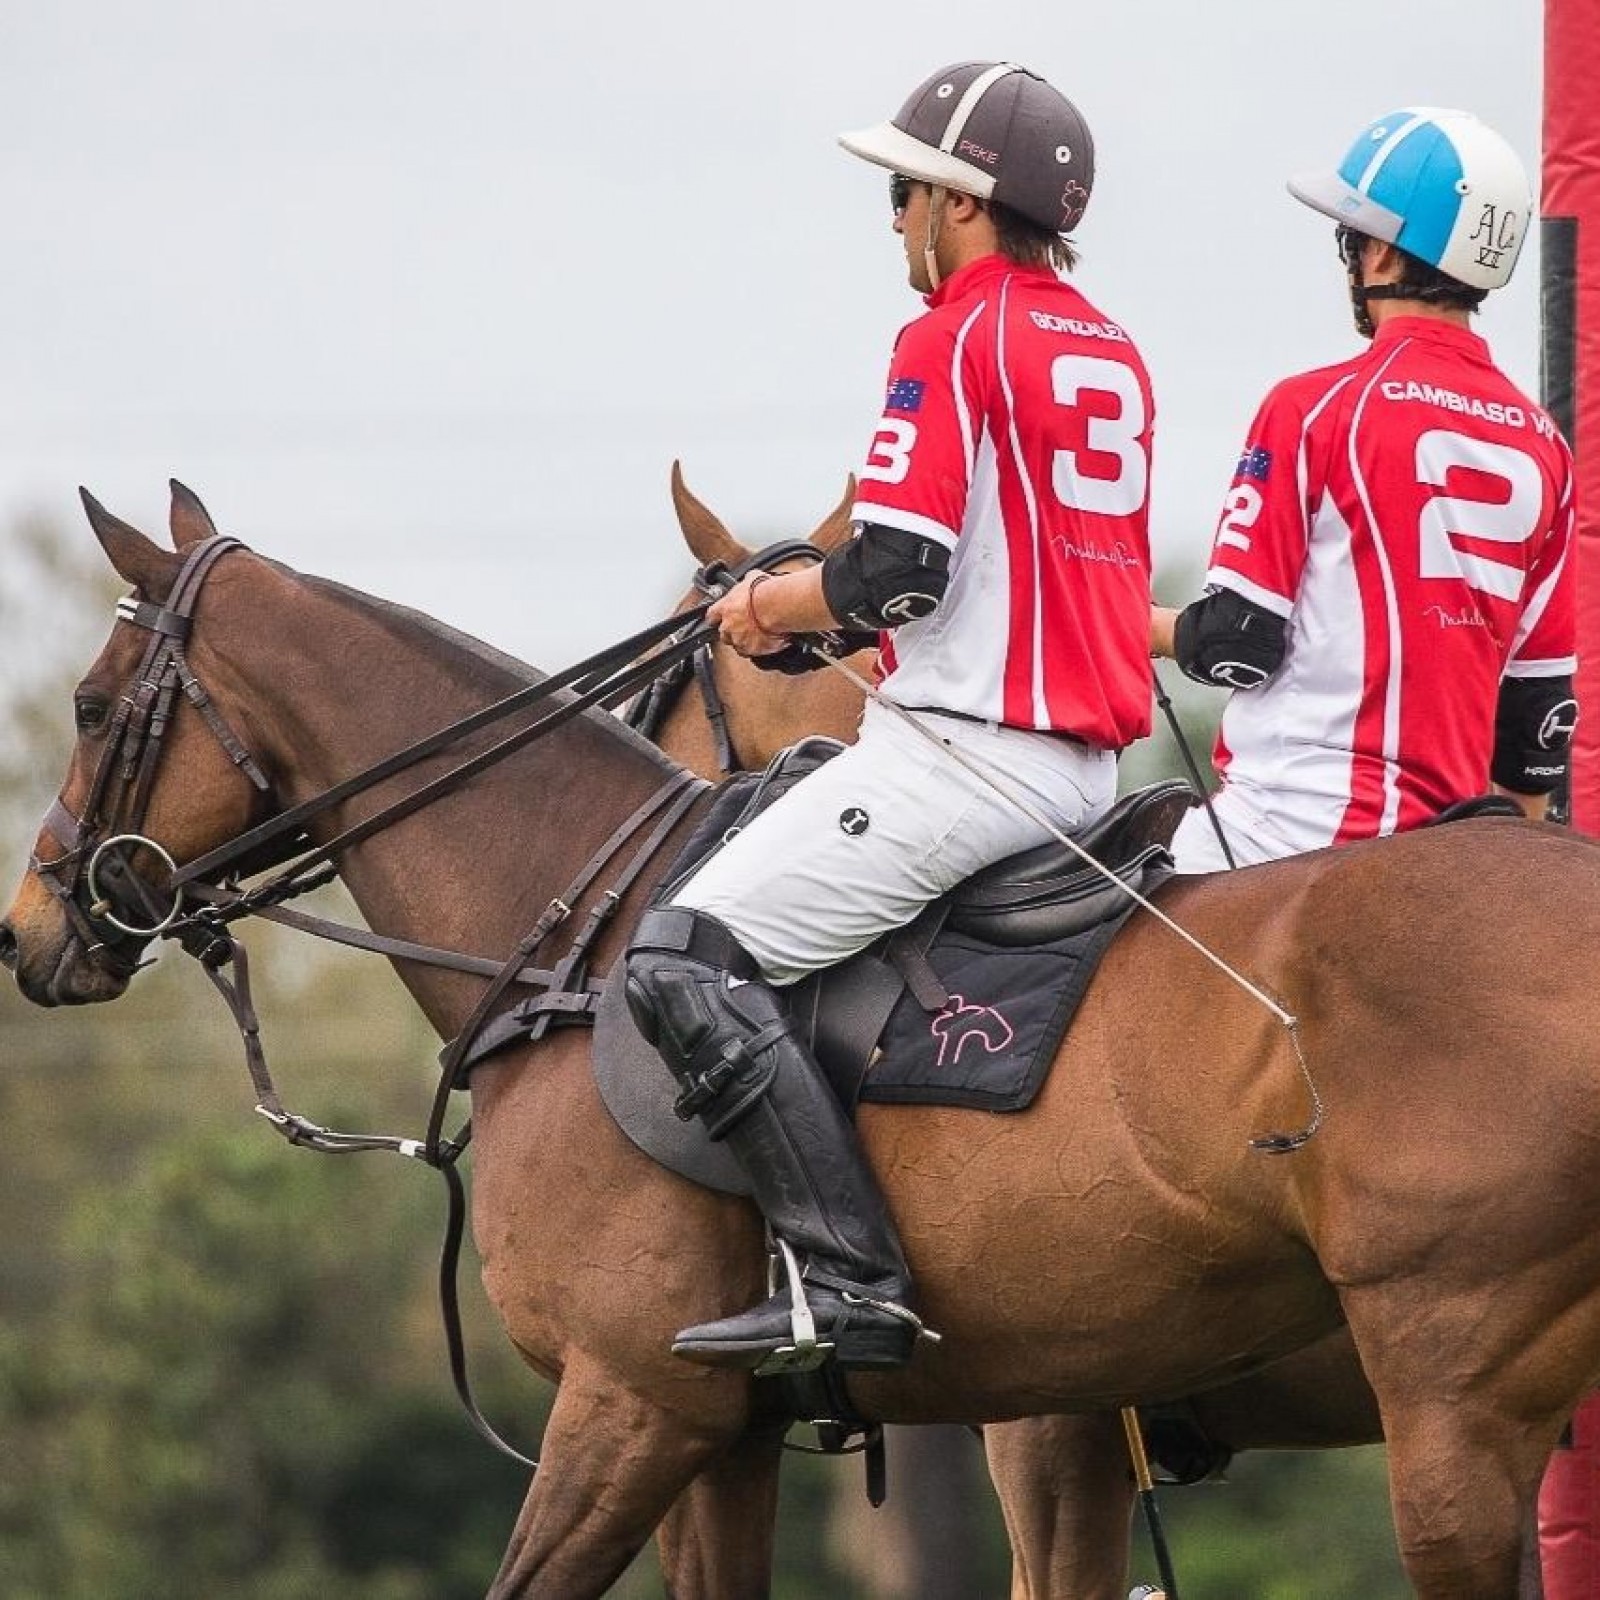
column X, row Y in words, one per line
column 50, row 963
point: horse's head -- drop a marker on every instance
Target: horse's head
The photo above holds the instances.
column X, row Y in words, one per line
column 159, row 773
column 764, row 710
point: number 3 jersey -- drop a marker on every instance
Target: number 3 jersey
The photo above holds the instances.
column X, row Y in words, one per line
column 1409, row 513
column 1016, row 433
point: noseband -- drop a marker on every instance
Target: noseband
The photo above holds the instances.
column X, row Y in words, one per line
column 112, row 909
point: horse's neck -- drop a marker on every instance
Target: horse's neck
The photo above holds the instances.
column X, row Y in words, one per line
column 348, row 681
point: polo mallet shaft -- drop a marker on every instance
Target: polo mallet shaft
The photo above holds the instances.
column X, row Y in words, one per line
column 1164, row 700
column 1147, row 1500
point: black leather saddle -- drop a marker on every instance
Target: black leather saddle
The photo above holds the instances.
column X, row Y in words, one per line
column 1050, row 891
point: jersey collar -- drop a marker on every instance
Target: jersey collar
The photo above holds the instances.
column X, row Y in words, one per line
column 1433, row 331
column 978, row 275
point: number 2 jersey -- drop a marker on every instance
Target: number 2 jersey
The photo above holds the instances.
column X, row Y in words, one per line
column 1410, row 513
column 1016, row 433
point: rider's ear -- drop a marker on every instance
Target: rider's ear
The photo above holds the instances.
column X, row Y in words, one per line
column 707, row 538
column 145, row 565
column 836, row 527
column 190, row 522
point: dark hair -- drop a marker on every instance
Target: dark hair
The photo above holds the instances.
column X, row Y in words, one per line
column 1029, row 244
column 1419, row 279
column 1436, row 287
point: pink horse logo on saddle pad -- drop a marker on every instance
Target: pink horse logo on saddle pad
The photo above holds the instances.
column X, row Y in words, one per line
column 960, row 1023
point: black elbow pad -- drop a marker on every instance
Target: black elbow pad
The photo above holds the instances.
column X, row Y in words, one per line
column 1533, row 725
column 885, row 576
column 1227, row 640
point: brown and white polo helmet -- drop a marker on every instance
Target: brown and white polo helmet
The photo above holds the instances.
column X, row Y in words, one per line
column 994, row 130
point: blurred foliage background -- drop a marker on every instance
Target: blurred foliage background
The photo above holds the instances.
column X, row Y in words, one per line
column 221, row 1368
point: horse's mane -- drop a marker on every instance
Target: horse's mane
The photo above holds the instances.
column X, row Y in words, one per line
column 478, row 666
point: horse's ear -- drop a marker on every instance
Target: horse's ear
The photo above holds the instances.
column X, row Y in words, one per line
column 140, row 561
column 707, row 538
column 835, row 527
column 190, row 520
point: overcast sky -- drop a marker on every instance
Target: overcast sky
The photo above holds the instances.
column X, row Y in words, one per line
column 426, row 298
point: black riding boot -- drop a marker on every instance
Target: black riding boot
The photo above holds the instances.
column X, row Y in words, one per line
column 696, row 995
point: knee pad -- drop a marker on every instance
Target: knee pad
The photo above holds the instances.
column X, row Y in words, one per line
column 676, row 952
column 716, row 1039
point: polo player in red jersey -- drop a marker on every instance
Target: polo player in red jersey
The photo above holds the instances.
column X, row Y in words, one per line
column 1391, row 589
column 1001, row 555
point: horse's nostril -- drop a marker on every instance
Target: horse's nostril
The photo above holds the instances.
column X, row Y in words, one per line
column 8, row 946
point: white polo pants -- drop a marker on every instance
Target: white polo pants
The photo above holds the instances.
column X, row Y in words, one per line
column 860, row 846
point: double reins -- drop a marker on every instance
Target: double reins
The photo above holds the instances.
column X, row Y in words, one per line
column 604, row 679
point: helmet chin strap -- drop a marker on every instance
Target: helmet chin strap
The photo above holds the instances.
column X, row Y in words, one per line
column 1361, row 291
column 935, row 216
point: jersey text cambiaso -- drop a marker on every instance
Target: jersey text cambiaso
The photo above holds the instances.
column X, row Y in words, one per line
column 1016, row 433
column 1409, row 512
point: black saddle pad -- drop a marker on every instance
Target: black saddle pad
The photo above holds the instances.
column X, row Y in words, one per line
column 991, row 1045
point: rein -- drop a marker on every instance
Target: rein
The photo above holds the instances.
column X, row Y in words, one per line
column 116, row 912
column 649, row 709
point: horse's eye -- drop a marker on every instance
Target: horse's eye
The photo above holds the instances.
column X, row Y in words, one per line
column 90, row 713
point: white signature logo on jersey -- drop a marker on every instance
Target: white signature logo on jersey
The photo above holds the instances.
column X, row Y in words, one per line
column 1466, row 617
column 1117, row 556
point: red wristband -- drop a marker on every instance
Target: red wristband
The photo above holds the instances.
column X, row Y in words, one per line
column 750, row 599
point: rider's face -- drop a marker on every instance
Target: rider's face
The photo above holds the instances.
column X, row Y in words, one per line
column 911, row 223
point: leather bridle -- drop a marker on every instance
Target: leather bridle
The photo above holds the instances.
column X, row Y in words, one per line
column 113, row 910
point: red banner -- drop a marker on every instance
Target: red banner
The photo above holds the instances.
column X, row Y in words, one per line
column 1569, row 1507
column 1570, row 246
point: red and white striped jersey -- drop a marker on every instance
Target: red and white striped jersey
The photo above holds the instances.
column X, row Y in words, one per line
column 1409, row 512
column 1016, row 433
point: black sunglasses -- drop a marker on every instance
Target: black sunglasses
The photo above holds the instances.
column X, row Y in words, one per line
column 900, row 192
column 1348, row 243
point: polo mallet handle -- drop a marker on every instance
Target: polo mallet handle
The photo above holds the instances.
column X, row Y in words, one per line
column 1147, row 1501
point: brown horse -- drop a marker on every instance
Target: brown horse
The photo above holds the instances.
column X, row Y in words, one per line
column 1115, row 1243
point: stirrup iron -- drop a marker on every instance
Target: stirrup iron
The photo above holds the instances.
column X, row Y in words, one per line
column 806, row 1353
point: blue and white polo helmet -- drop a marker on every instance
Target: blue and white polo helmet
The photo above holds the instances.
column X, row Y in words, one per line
column 1441, row 185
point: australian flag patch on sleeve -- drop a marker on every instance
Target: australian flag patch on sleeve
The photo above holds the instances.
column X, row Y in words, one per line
column 905, row 394
column 1255, row 462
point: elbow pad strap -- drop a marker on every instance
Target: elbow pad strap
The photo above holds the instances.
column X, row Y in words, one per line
column 1227, row 640
column 1533, row 726
column 885, row 576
